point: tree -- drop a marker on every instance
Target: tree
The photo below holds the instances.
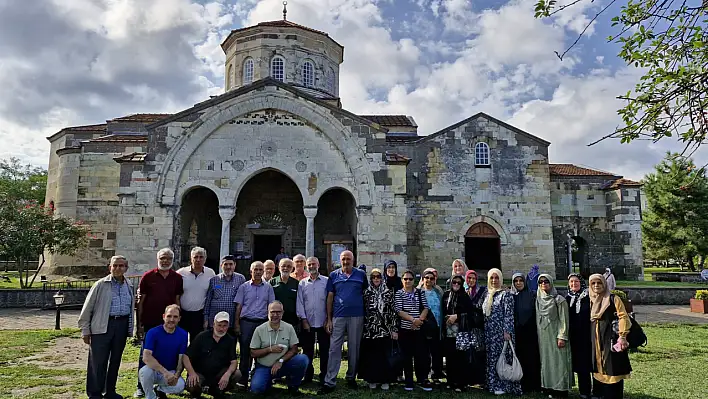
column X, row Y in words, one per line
column 29, row 230
column 669, row 40
column 22, row 182
column 675, row 223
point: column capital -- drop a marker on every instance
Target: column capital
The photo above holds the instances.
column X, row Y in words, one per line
column 227, row 212
column 310, row 212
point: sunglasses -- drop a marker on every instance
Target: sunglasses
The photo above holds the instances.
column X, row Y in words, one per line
column 373, row 276
column 407, row 279
column 456, row 283
column 429, row 277
column 544, row 282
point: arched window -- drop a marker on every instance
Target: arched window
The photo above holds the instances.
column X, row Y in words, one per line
column 248, row 71
column 277, row 68
column 481, row 154
column 229, row 73
column 308, row 74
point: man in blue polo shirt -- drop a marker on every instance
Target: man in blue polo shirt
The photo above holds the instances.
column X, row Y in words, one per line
column 345, row 316
column 163, row 350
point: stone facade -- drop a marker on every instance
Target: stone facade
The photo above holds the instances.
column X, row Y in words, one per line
column 275, row 163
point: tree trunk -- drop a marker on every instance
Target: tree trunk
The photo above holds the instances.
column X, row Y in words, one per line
column 39, row 267
column 691, row 265
column 702, row 261
column 21, row 269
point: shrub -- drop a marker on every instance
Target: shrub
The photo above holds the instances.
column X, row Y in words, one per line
column 702, row 294
column 621, row 294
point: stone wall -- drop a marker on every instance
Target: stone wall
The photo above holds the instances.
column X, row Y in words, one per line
column 607, row 230
column 448, row 193
column 40, row 299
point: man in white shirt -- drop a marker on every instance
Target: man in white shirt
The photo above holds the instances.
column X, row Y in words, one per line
column 195, row 282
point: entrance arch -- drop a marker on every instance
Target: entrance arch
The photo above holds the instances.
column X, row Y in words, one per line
column 482, row 247
column 335, row 226
column 200, row 225
column 269, row 215
column 579, row 251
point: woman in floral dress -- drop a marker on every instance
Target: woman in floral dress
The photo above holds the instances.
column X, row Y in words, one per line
column 498, row 309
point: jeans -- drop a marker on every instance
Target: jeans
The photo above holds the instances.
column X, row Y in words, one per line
column 149, row 377
column 293, row 369
column 141, row 364
column 244, row 344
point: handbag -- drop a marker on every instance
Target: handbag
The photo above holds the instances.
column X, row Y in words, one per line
column 635, row 336
column 506, row 371
column 394, row 357
column 430, row 325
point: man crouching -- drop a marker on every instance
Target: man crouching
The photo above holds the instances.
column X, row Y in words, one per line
column 211, row 360
column 274, row 346
column 164, row 347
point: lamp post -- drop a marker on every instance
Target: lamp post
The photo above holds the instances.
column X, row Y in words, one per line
column 58, row 301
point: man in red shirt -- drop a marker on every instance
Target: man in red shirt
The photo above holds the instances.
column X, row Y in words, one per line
column 159, row 288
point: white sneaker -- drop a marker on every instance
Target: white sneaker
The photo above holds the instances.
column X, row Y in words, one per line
column 139, row 393
column 372, row 386
column 499, row 392
column 384, row 387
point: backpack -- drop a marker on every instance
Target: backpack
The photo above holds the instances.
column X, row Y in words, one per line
column 636, row 336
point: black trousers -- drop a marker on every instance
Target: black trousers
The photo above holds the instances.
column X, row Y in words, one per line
column 435, row 346
column 105, row 353
column 457, row 364
column 608, row 391
column 192, row 322
column 414, row 347
column 308, row 349
column 584, row 386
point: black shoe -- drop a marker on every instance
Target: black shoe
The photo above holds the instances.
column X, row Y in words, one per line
column 325, row 390
column 160, row 394
column 426, row 386
column 306, row 381
column 351, row 384
column 294, row 391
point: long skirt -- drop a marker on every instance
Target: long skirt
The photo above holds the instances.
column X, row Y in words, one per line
column 373, row 360
column 529, row 357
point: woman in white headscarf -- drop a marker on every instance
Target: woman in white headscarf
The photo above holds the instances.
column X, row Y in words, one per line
column 552, row 324
column 610, row 279
column 498, row 307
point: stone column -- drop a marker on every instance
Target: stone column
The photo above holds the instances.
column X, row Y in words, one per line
column 310, row 213
column 227, row 213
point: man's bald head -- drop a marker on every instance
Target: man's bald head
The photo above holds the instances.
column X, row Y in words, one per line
column 347, row 259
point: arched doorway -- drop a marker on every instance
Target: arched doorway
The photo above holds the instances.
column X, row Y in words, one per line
column 482, row 247
column 579, row 251
column 200, row 226
column 269, row 215
column 335, row 226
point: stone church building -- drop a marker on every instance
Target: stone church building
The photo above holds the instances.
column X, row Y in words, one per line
column 276, row 161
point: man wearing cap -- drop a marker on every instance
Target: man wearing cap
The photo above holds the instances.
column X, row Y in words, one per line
column 222, row 291
column 210, row 360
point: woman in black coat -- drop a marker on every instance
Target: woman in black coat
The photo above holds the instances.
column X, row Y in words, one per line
column 526, row 334
column 456, row 305
column 580, row 341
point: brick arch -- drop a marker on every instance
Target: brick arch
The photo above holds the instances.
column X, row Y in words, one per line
column 352, row 153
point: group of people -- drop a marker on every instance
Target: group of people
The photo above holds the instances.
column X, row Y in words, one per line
column 395, row 330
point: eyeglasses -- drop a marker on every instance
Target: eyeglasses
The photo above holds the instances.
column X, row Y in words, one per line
column 373, row 276
column 407, row 279
column 456, row 283
column 544, row 282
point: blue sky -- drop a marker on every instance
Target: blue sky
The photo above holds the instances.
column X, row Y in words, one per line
column 69, row 62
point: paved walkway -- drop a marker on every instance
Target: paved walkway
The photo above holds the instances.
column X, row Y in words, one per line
column 31, row 319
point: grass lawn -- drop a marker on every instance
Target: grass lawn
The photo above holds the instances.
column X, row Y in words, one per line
column 14, row 282
column 671, row 366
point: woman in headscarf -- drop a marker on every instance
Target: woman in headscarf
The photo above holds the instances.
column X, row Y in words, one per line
column 526, row 334
column 433, row 294
column 380, row 327
column 459, row 268
column 610, row 361
column 476, row 292
column 498, row 307
column 610, row 279
column 552, row 325
column 580, row 344
column 456, row 307
column 393, row 282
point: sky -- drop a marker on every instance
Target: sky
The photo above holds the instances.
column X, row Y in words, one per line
column 73, row 62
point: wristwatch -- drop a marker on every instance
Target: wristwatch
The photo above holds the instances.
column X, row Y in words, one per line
column 281, row 361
